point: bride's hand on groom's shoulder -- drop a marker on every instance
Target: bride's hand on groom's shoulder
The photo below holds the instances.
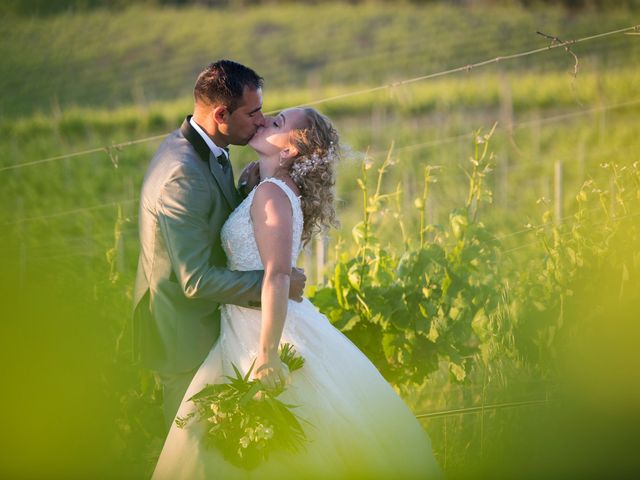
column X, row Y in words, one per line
column 249, row 178
column 297, row 282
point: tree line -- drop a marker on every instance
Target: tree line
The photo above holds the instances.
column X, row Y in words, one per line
column 47, row 7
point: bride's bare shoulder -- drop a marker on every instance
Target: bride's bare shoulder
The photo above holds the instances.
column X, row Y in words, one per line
column 271, row 200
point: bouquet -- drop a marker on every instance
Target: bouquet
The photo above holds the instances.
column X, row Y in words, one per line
column 246, row 421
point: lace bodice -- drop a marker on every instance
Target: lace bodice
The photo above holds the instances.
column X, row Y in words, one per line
column 238, row 240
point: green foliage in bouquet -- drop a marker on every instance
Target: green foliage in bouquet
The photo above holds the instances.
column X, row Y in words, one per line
column 408, row 310
column 246, row 421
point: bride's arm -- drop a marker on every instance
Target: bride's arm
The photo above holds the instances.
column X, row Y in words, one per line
column 272, row 219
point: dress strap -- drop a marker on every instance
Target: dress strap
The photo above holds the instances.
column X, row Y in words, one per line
column 293, row 198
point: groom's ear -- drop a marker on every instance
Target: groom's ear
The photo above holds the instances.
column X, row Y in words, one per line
column 220, row 114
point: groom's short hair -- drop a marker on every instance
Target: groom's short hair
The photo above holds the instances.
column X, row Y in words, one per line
column 223, row 82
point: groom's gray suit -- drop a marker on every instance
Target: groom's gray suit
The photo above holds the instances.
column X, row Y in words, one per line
column 182, row 278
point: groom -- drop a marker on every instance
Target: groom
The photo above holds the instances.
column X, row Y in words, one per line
column 187, row 194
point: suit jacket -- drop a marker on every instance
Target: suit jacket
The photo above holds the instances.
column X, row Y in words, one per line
column 182, row 276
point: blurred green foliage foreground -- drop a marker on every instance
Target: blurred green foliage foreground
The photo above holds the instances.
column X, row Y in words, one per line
column 448, row 300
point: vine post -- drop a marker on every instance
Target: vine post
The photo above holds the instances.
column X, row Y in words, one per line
column 558, row 183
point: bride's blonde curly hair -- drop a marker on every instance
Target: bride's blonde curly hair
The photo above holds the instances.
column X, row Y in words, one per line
column 313, row 170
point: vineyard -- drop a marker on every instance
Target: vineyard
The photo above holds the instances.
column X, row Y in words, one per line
column 488, row 258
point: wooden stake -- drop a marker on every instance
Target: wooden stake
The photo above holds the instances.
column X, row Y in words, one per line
column 558, row 192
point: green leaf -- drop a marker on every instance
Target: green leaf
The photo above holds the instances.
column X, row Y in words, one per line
column 458, row 222
column 247, row 397
column 380, row 319
column 433, row 331
column 374, row 205
column 446, row 283
column 205, row 392
column 422, row 323
column 290, row 357
column 248, row 375
column 388, row 345
column 400, row 318
column 359, row 232
column 237, row 372
column 582, row 196
column 364, row 305
column 181, row 422
column 427, row 309
column 353, row 275
column 457, row 371
column 404, row 265
column 479, row 324
column 352, row 322
column 325, row 299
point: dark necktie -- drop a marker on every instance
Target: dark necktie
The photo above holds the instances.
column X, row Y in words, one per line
column 224, row 161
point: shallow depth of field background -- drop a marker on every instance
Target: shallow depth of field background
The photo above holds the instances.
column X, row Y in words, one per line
column 525, row 364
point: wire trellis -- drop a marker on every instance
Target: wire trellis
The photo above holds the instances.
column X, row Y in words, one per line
column 464, row 68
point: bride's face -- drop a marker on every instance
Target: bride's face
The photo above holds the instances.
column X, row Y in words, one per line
column 271, row 139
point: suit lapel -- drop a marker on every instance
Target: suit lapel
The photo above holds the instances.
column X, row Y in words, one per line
column 225, row 184
column 236, row 193
column 195, row 139
column 200, row 146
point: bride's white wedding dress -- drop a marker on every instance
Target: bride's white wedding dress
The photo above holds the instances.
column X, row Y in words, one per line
column 358, row 426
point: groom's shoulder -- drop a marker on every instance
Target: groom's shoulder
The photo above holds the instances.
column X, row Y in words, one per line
column 176, row 150
column 176, row 145
column 175, row 156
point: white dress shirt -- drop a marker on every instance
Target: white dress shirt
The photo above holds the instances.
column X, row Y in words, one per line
column 212, row 146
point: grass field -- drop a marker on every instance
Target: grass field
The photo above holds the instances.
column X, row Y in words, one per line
column 140, row 56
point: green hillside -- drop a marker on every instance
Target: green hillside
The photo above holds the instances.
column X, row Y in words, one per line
column 141, row 55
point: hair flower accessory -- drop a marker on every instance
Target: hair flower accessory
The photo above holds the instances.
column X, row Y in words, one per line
column 308, row 163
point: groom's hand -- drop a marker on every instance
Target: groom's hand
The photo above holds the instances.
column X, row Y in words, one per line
column 249, row 178
column 296, row 284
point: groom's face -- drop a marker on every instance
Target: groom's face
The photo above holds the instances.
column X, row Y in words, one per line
column 245, row 120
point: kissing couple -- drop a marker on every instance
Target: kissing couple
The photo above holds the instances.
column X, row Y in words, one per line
column 217, row 287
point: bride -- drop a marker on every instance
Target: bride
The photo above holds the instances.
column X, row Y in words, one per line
column 355, row 423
